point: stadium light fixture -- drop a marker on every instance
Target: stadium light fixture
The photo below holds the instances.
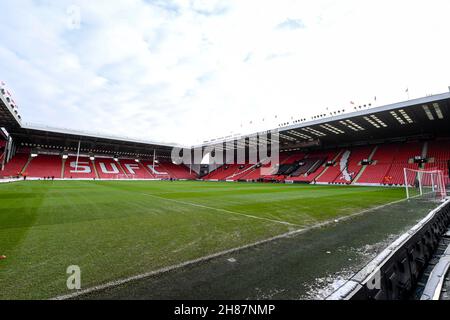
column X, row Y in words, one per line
column 406, row 116
column 428, row 112
column 438, row 110
column 396, row 117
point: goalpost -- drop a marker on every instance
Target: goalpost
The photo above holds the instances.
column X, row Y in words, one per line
column 424, row 183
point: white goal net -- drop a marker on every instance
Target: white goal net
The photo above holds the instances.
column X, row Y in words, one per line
column 424, row 183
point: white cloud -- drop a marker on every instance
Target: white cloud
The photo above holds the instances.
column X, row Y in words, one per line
column 187, row 71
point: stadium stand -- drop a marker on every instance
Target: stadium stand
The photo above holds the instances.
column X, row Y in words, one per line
column 409, row 134
column 382, row 162
column 16, row 166
column 438, row 157
column 306, row 165
column 315, row 166
column 254, row 174
column 155, row 171
column 2, row 149
column 332, row 172
column 223, row 172
column 44, row 166
column 108, row 168
column 403, row 158
column 177, row 171
column 135, row 169
column 84, row 169
column 354, row 167
column 335, row 166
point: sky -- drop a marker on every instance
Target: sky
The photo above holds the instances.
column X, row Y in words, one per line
column 186, row 71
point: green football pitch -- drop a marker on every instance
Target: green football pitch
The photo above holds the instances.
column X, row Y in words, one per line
column 116, row 229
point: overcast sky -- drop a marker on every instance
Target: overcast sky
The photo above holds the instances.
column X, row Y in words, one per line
column 187, row 71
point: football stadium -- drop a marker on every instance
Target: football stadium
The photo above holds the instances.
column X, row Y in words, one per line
column 343, row 204
column 345, row 187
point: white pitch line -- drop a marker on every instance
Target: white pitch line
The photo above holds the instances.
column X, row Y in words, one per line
column 119, row 282
column 223, row 210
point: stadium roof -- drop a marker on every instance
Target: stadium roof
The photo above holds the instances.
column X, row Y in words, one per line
column 427, row 116
column 424, row 116
column 40, row 136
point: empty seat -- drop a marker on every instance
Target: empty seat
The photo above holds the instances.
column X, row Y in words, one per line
column 45, row 166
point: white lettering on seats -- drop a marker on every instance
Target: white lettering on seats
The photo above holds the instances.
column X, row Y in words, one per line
column 154, row 170
column 114, row 169
column 132, row 167
column 83, row 167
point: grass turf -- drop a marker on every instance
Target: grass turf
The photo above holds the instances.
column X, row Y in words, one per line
column 117, row 229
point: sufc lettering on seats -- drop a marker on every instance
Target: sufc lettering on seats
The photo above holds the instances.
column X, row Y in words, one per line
column 83, row 167
column 132, row 167
column 114, row 169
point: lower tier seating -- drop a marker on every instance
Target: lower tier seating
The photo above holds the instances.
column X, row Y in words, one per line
column 83, row 169
column 44, row 166
column 334, row 166
column 15, row 166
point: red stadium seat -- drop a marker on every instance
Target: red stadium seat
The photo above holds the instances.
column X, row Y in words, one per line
column 16, row 165
column 84, row 169
column 45, row 166
column 107, row 168
column 135, row 169
column 438, row 156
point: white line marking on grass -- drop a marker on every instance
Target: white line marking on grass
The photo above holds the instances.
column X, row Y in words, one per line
column 119, row 282
column 223, row 210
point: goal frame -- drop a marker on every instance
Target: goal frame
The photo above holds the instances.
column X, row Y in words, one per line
column 437, row 182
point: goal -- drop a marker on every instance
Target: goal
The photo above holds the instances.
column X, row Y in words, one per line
column 424, row 183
